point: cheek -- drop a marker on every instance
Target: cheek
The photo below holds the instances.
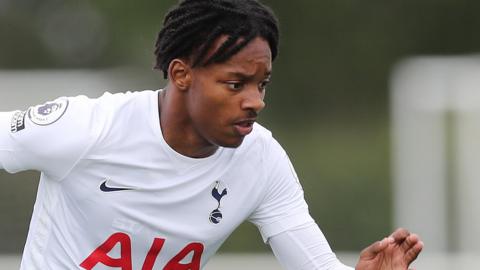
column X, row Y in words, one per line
column 216, row 111
column 209, row 106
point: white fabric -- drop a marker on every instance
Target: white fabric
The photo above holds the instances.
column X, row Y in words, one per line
column 118, row 137
column 51, row 149
column 305, row 248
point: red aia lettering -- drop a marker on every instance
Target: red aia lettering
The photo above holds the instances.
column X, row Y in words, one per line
column 100, row 255
column 174, row 263
column 153, row 253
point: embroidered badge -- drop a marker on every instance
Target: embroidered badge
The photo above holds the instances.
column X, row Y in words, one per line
column 48, row 113
column 18, row 121
column 218, row 192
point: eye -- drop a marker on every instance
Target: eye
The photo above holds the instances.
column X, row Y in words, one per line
column 234, row 85
column 263, row 85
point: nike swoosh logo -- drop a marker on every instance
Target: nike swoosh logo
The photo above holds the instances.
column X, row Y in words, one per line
column 105, row 188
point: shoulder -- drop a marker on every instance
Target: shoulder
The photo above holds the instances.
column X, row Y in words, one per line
column 92, row 113
column 262, row 140
column 49, row 112
column 260, row 137
column 123, row 116
column 110, row 108
column 120, row 100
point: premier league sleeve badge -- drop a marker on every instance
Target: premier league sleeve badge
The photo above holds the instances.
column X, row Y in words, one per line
column 48, row 113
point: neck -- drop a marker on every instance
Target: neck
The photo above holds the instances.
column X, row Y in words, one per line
column 177, row 128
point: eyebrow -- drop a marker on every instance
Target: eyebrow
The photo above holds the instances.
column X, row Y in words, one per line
column 244, row 76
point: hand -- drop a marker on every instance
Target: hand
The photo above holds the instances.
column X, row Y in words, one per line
column 395, row 252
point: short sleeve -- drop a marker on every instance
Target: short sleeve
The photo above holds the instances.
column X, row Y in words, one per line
column 283, row 206
column 50, row 137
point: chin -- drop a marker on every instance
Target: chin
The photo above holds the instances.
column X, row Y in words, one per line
column 232, row 143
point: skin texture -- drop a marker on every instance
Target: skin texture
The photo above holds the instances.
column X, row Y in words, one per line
column 203, row 108
column 395, row 252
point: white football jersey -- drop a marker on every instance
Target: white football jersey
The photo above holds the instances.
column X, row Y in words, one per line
column 114, row 195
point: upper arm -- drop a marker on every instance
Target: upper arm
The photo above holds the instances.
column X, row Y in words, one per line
column 49, row 138
column 283, row 206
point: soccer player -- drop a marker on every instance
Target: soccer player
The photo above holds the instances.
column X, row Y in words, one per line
column 159, row 179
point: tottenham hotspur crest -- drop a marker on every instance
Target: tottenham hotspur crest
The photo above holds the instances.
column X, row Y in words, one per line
column 218, row 192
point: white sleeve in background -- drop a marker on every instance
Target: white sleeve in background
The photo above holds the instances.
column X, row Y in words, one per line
column 283, row 206
column 305, row 248
column 49, row 138
column 284, row 221
column 6, row 159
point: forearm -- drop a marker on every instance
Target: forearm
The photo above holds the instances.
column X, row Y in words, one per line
column 305, row 248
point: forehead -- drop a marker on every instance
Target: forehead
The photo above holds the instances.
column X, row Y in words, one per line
column 256, row 54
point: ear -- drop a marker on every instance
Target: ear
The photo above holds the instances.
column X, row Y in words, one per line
column 179, row 73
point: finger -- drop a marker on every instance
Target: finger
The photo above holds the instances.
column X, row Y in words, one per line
column 400, row 235
column 412, row 253
column 375, row 248
column 410, row 241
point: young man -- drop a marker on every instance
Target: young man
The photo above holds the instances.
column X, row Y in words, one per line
column 159, row 179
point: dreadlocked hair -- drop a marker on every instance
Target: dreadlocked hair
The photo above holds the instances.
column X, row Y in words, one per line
column 191, row 28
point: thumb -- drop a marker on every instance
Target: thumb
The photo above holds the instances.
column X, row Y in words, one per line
column 375, row 248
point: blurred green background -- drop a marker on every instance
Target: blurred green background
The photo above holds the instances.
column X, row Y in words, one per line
column 327, row 105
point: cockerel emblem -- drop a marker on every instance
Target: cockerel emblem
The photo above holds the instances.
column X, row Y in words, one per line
column 216, row 215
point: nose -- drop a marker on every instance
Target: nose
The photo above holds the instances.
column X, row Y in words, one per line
column 253, row 100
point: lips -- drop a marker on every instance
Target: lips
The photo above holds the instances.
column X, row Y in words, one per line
column 244, row 127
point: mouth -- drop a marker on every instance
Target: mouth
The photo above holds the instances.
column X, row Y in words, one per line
column 244, row 127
